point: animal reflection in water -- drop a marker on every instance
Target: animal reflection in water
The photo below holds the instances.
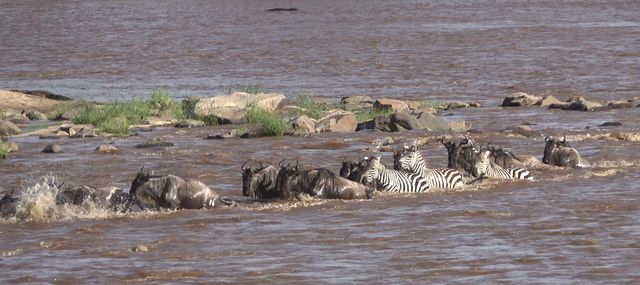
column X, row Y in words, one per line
column 290, row 182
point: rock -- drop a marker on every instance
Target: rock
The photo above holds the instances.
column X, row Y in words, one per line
column 402, row 121
column 301, row 126
column 158, row 122
column 457, row 105
column 579, row 103
column 139, row 248
column 526, row 131
column 52, row 148
column 8, row 128
column 433, row 123
column 77, row 131
column 356, row 100
column 107, row 149
column 20, row 101
column 189, row 123
column 610, row 124
column 226, row 135
column 549, row 100
column 475, row 105
column 621, row 104
column 36, row 116
column 520, row 99
column 626, row 136
column 18, row 119
column 391, row 104
column 154, row 143
column 11, row 147
column 233, row 108
column 337, row 121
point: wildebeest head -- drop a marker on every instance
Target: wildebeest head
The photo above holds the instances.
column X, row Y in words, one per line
column 461, row 155
column 501, row 157
column 284, row 174
column 550, row 145
column 348, row 166
column 259, row 182
column 143, row 176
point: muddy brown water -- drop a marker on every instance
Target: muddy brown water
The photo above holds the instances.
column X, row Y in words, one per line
column 569, row 226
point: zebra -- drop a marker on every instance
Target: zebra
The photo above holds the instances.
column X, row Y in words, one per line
column 485, row 167
column 443, row 178
column 393, row 180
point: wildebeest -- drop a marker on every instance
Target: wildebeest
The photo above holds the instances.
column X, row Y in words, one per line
column 504, row 158
column 484, row 166
column 75, row 194
column 353, row 170
column 120, row 201
column 318, row 182
column 8, row 205
column 259, row 182
column 157, row 192
column 461, row 155
column 559, row 153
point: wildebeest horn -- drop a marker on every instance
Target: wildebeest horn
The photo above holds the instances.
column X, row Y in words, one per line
column 297, row 162
column 466, row 140
column 261, row 167
column 280, row 163
column 242, row 167
column 564, row 138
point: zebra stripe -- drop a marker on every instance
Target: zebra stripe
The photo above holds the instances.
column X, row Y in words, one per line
column 395, row 181
column 484, row 167
column 445, row 178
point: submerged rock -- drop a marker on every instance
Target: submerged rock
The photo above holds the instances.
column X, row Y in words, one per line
column 107, row 149
column 520, row 99
column 189, row 123
column 153, row 143
column 579, row 103
column 52, row 148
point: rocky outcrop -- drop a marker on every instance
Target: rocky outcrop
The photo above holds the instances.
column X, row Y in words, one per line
column 189, row 123
column 520, row 99
column 8, row 128
column 391, row 104
column 79, row 131
column 433, row 123
column 107, row 149
column 36, row 116
column 549, row 101
column 356, row 103
column 400, row 121
column 301, row 126
column 232, row 109
column 622, row 104
column 337, row 121
column 19, row 101
column 579, row 103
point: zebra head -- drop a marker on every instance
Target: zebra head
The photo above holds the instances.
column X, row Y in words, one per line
column 409, row 159
column 373, row 170
column 482, row 162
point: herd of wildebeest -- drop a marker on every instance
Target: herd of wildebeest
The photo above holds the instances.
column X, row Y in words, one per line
column 468, row 163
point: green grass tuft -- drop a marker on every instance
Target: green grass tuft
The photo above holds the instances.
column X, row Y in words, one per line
column 367, row 116
column 313, row 108
column 268, row 123
column 116, row 118
column 3, row 150
column 251, row 89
